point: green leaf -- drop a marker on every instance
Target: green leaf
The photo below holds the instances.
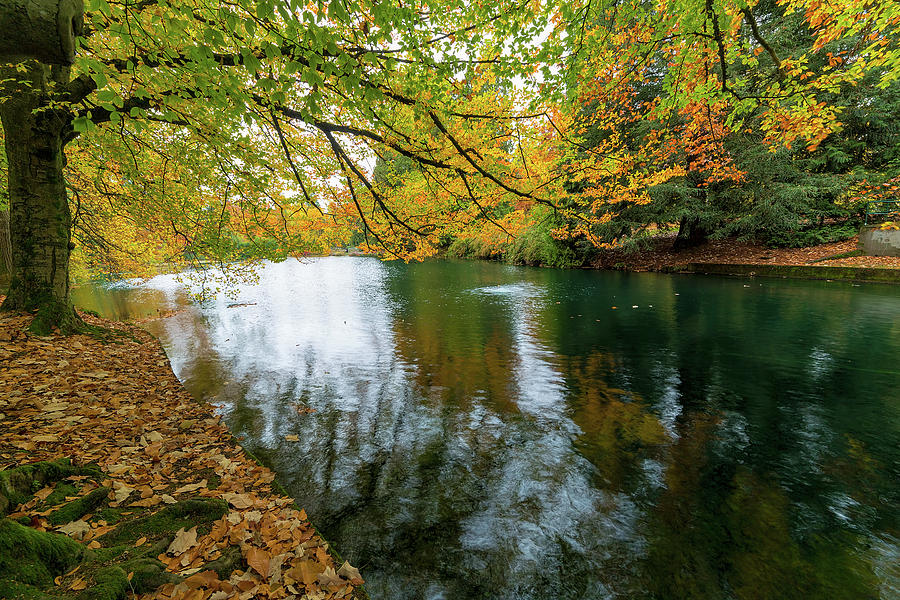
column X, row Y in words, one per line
column 81, row 124
column 99, row 79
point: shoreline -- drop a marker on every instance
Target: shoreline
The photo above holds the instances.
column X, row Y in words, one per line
column 143, row 451
column 835, row 261
column 824, row 273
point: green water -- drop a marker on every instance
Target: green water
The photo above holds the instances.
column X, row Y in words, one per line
column 485, row 431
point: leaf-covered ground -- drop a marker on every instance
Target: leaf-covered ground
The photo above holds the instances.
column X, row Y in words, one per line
column 660, row 255
column 163, row 481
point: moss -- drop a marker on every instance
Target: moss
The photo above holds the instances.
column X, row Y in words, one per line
column 110, row 583
column 149, row 574
column 35, row 557
column 59, row 494
column 110, row 515
column 212, row 480
column 105, row 555
column 170, row 519
column 850, row 254
column 230, row 560
column 13, row 590
column 78, row 508
column 55, row 314
column 17, row 485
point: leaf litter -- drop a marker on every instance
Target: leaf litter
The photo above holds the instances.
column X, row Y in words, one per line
column 118, row 405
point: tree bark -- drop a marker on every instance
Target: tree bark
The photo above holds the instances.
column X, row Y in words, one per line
column 44, row 30
column 5, row 248
column 40, row 221
column 690, row 234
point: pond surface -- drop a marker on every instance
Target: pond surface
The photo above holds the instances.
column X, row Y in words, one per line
column 486, row 431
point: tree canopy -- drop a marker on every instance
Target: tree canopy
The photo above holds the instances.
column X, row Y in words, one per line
column 227, row 131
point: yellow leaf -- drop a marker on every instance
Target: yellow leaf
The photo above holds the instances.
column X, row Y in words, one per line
column 78, row 584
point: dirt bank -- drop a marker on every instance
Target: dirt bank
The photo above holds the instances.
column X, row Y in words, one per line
column 660, row 256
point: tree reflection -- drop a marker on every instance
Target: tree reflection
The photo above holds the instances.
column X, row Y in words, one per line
column 719, row 529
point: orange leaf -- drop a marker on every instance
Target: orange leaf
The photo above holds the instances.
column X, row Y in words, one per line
column 309, row 571
column 202, row 579
column 258, row 559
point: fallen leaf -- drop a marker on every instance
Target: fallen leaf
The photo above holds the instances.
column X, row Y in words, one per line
column 258, row 559
column 350, row 573
column 75, row 529
column 291, row 438
column 42, row 494
column 202, row 579
column 147, row 502
column 140, row 541
column 121, row 491
column 253, row 516
column 191, row 487
column 238, row 501
column 307, row 572
column 78, row 584
column 184, row 540
column 329, row 578
column 168, row 499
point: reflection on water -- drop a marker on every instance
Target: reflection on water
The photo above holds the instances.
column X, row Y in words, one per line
column 483, row 431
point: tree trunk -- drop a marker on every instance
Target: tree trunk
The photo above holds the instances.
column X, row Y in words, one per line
column 40, row 29
column 40, row 222
column 5, row 248
column 690, row 234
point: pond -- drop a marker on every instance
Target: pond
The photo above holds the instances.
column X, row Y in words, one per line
column 475, row 430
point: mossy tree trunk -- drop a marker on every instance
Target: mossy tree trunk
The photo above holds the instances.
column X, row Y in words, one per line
column 40, row 29
column 40, row 221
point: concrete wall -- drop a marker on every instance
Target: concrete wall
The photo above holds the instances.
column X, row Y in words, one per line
column 878, row 242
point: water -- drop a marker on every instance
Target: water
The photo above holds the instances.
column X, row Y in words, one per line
column 485, row 431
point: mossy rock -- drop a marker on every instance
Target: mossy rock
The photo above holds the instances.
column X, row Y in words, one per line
column 230, row 560
column 76, row 509
column 184, row 514
column 63, row 490
column 111, row 583
column 13, row 590
column 112, row 515
column 32, row 557
column 17, row 485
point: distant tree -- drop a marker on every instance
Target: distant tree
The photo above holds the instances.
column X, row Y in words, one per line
column 728, row 118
